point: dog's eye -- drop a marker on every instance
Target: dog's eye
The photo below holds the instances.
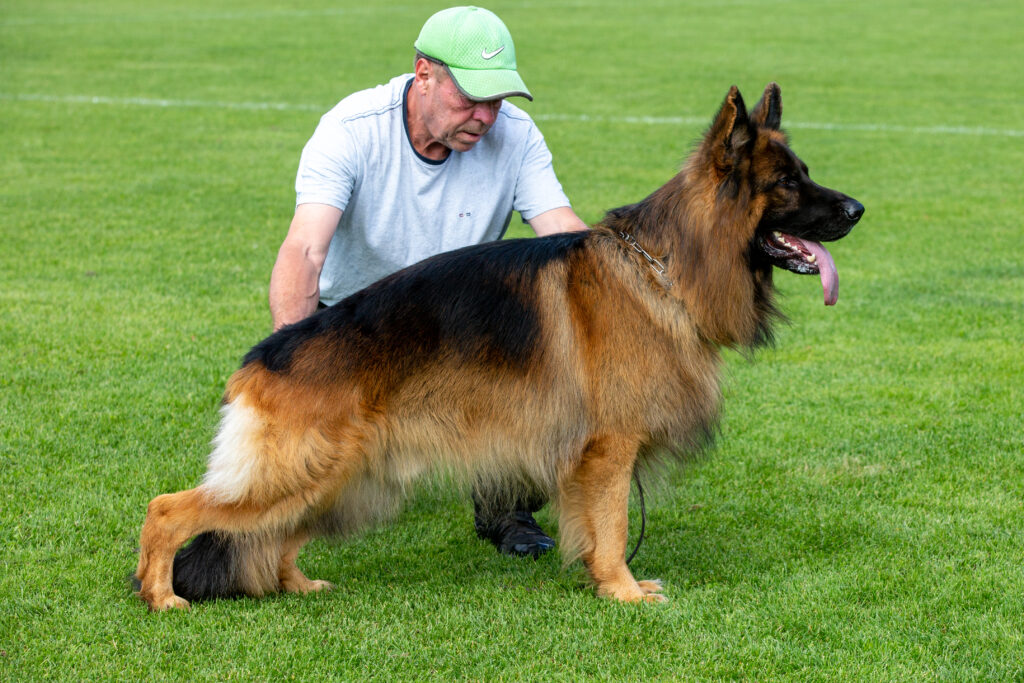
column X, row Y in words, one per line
column 788, row 181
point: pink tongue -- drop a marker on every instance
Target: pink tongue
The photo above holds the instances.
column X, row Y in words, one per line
column 827, row 269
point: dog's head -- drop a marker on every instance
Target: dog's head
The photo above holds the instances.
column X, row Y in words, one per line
column 794, row 215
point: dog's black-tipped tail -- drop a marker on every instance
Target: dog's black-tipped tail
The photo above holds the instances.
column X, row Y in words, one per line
column 207, row 568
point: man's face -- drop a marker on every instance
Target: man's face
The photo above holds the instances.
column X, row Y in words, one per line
column 453, row 119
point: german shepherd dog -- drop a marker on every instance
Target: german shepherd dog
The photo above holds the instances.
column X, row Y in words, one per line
column 555, row 365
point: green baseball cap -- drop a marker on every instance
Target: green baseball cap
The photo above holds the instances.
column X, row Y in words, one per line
column 477, row 48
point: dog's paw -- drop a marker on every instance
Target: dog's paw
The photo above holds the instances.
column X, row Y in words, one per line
column 170, row 602
column 300, row 584
column 315, row 586
column 634, row 591
column 652, row 590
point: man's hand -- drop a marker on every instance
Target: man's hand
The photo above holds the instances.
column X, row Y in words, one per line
column 295, row 280
column 562, row 219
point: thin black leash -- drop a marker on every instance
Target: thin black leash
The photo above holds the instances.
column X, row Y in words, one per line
column 643, row 517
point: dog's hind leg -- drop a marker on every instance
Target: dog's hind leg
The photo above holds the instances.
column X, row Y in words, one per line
column 289, row 575
column 593, row 502
column 172, row 519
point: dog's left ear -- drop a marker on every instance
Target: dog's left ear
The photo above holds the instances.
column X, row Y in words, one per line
column 768, row 110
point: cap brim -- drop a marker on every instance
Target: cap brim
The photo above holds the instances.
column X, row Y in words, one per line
column 489, row 84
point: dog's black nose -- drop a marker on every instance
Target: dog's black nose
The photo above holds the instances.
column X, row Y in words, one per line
column 853, row 209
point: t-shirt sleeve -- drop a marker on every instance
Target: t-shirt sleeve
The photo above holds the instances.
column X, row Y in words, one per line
column 328, row 167
column 537, row 188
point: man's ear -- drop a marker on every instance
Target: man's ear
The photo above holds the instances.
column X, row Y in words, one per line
column 422, row 71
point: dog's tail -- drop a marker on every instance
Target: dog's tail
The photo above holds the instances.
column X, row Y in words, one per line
column 219, row 565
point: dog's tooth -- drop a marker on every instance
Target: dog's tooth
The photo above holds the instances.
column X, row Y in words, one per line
column 812, row 258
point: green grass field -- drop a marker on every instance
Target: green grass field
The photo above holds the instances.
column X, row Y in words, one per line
column 861, row 517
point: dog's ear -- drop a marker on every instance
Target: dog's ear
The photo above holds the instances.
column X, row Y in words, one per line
column 729, row 134
column 768, row 111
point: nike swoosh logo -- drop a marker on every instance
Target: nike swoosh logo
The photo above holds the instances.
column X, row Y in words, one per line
column 488, row 55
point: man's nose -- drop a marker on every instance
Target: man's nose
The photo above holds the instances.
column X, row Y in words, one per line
column 486, row 112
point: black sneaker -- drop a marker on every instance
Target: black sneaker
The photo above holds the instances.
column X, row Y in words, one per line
column 515, row 533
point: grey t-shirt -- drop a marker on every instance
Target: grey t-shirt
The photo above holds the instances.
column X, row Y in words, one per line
column 399, row 207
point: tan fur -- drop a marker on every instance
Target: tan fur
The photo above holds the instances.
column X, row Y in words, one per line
column 333, row 460
column 624, row 366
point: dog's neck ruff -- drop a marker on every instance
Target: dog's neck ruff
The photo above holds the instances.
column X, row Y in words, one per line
column 656, row 265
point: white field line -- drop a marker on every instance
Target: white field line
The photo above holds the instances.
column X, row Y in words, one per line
column 172, row 16
column 179, row 17
column 572, row 118
column 163, row 103
column 811, row 125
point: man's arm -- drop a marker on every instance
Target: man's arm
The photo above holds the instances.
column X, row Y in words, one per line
column 562, row 219
column 295, row 280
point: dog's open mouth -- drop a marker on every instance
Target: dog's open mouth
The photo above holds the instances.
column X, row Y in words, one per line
column 803, row 256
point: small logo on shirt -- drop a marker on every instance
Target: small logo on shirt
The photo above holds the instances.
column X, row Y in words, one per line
column 465, row 214
column 489, row 55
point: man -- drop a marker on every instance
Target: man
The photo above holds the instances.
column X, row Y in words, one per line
column 429, row 162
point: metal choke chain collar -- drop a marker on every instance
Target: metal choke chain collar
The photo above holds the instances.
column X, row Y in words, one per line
column 656, row 265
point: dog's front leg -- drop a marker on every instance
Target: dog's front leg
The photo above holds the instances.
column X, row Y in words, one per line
column 594, row 521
